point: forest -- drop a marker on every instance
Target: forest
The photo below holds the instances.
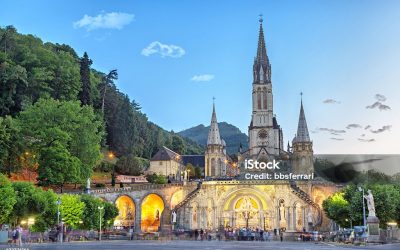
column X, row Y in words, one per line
column 58, row 115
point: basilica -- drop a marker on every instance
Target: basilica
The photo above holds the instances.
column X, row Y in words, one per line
column 220, row 202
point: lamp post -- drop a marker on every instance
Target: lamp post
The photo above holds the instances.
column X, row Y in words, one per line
column 362, row 190
column 58, row 203
column 100, row 208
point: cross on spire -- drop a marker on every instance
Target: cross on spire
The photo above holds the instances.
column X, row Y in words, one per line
column 261, row 18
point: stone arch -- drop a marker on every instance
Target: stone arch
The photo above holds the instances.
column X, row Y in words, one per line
column 263, row 197
column 126, row 212
column 152, row 207
column 228, row 216
column 176, row 198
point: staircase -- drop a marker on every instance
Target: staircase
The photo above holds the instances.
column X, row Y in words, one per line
column 305, row 197
column 190, row 196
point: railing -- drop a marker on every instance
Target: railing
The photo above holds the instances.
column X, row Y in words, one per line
column 305, row 197
column 190, row 196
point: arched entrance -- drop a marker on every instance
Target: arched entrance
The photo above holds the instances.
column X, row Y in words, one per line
column 247, row 207
column 152, row 208
column 126, row 212
column 246, row 212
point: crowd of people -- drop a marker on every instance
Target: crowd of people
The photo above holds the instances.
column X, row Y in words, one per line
column 229, row 233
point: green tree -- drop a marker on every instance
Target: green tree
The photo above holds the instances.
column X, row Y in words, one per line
column 129, row 165
column 11, row 146
column 336, row 208
column 66, row 131
column 156, row 179
column 91, row 212
column 177, row 144
column 13, row 79
column 85, row 93
column 34, row 202
column 107, row 81
column 48, row 214
column 198, row 172
column 110, row 213
column 58, row 167
column 72, row 210
column 7, row 198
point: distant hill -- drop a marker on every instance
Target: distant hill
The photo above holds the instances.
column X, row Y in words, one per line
column 231, row 134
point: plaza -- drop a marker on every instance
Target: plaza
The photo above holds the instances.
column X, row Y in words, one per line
column 200, row 245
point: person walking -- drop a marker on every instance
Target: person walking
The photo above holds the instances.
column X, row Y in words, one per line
column 281, row 234
column 201, row 234
column 15, row 236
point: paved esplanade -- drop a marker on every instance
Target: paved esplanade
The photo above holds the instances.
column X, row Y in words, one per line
column 199, row 245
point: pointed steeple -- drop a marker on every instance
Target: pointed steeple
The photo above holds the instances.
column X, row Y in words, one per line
column 302, row 130
column 261, row 66
column 214, row 137
column 261, row 49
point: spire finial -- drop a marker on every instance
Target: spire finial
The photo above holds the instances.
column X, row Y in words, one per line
column 301, row 98
column 261, row 18
column 213, row 99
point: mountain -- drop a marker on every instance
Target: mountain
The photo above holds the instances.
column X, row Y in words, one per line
column 231, row 134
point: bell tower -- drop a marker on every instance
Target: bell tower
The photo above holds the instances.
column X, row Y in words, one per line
column 265, row 135
column 302, row 160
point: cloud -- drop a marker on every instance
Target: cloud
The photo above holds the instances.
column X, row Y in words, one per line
column 363, row 135
column 353, row 125
column 367, row 127
column 383, row 129
column 366, row 140
column 331, row 101
column 333, row 131
column 380, row 97
column 164, row 50
column 112, row 20
column 378, row 105
column 336, row 139
column 202, row 78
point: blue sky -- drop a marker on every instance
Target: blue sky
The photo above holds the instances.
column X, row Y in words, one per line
column 347, row 51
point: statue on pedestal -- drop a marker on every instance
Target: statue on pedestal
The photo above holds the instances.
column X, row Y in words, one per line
column 370, row 204
column 88, row 185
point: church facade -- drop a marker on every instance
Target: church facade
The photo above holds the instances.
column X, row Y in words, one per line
column 215, row 202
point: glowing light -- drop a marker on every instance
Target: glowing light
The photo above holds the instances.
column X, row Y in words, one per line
column 111, row 155
column 126, row 211
column 152, row 208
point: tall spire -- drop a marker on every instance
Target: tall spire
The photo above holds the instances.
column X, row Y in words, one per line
column 302, row 130
column 214, row 137
column 261, row 66
column 261, row 50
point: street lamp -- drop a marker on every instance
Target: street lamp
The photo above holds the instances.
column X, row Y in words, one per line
column 58, row 203
column 100, row 208
column 362, row 190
